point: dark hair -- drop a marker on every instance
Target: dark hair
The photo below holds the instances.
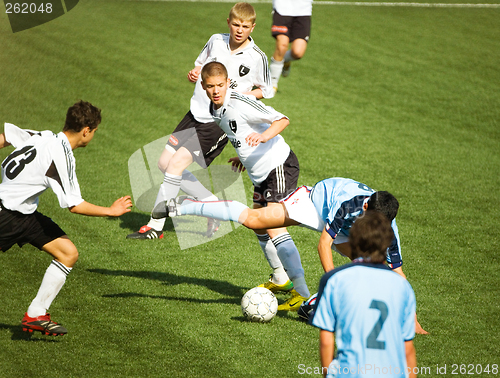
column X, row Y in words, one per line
column 385, row 203
column 80, row 115
column 370, row 236
column 213, row 69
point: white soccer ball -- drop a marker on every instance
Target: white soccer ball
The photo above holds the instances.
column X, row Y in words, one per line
column 259, row 305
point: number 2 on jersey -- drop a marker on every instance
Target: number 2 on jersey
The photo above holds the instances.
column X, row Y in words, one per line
column 371, row 340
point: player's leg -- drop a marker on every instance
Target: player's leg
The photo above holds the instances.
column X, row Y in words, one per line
column 278, row 280
column 190, row 141
column 65, row 256
column 299, row 37
column 212, row 140
column 279, row 31
column 281, row 182
column 49, row 237
column 290, row 258
column 174, row 164
column 278, row 59
column 165, row 157
column 297, row 51
column 254, row 219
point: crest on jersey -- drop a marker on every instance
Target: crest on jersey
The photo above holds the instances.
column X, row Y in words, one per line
column 232, row 125
column 244, row 70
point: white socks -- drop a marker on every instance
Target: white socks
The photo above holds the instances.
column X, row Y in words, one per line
column 279, row 275
column 275, row 68
column 169, row 188
column 53, row 281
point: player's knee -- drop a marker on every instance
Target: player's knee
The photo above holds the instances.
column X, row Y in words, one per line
column 298, row 54
column 69, row 256
column 162, row 165
column 281, row 49
column 179, row 162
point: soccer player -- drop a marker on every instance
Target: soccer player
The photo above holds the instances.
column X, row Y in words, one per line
column 291, row 28
column 40, row 161
column 254, row 131
column 331, row 207
column 197, row 137
column 366, row 309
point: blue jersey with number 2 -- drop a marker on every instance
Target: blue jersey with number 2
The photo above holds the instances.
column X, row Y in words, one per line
column 372, row 312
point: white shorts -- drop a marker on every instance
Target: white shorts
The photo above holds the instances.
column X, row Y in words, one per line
column 301, row 209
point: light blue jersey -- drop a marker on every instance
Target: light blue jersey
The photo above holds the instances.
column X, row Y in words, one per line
column 372, row 312
column 339, row 201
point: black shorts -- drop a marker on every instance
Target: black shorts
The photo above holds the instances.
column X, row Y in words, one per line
column 293, row 27
column 35, row 229
column 205, row 141
column 280, row 182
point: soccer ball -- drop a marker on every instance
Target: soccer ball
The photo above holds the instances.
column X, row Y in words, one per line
column 259, row 305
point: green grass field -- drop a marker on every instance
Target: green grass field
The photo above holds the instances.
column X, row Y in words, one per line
column 404, row 99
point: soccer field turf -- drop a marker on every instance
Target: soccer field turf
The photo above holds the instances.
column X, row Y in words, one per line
column 404, row 99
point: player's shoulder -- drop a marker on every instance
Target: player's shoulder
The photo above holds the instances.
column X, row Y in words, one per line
column 219, row 37
column 248, row 103
column 257, row 53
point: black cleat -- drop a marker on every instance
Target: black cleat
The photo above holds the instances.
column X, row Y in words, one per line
column 164, row 210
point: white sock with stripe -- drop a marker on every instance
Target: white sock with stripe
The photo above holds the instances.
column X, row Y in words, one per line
column 53, row 281
column 169, row 188
column 279, row 275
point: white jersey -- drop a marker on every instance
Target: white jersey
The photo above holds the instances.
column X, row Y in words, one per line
column 241, row 115
column 246, row 69
column 41, row 160
column 293, row 8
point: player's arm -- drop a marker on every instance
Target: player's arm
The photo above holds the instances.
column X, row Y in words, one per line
column 411, row 358
column 3, row 141
column 256, row 92
column 325, row 250
column 254, row 139
column 194, row 74
column 326, row 349
column 121, row 206
column 418, row 327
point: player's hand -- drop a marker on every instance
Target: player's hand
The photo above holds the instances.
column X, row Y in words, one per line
column 121, row 206
column 194, row 74
column 254, row 139
column 419, row 329
column 236, row 165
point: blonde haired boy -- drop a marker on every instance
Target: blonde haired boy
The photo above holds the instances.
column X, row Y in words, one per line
column 197, row 137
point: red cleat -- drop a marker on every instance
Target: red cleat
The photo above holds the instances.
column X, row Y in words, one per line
column 43, row 324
